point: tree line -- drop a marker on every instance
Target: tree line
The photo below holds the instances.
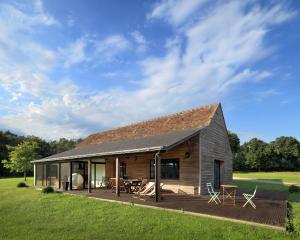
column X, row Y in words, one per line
column 282, row 154
column 15, row 147
column 255, row 155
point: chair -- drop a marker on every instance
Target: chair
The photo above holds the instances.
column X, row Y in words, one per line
column 147, row 189
column 149, row 193
column 249, row 198
column 214, row 196
column 113, row 183
column 141, row 185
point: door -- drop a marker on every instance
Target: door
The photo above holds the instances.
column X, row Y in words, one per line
column 217, row 174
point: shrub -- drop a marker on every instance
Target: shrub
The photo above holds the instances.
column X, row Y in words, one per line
column 294, row 188
column 48, row 190
column 289, row 226
column 21, row 185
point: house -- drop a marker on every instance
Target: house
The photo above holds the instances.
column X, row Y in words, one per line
column 184, row 151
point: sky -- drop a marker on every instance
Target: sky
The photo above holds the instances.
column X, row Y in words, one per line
column 72, row 68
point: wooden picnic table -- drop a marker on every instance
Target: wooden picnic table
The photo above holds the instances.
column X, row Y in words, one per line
column 229, row 192
column 131, row 182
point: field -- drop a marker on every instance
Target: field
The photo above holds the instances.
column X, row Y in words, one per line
column 28, row 214
column 287, row 177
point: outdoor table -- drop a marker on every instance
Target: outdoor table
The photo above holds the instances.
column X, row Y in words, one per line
column 131, row 182
column 229, row 192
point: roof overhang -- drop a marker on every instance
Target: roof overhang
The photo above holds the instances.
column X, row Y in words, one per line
column 164, row 142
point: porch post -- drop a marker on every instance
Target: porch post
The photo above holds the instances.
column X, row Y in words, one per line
column 157, row 177
column 34, row 174
column 59, row 175
column 70, row 183
column 117, row 177
column 89, row 176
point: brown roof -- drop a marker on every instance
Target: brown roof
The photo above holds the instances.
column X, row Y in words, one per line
column 193, row 118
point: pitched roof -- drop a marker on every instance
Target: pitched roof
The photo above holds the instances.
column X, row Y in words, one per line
column 193, row 118
column 146, row 144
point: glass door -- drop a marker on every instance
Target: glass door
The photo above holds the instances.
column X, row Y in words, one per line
column 217, row 174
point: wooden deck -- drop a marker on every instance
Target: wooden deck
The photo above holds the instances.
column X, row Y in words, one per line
column 271, row 205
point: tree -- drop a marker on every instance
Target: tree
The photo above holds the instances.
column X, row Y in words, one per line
column 255, row 154
column 286, row 151
column 234, row 142
column 20, row 157
column 7, row 139
column 63, row 144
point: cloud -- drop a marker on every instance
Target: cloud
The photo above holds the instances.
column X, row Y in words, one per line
column 261, row 95
column 111, row 46
column 41, row 15
column 214, row 52
column 140, row 40
column 74, row 53
column 175, row 11
column 89, row 49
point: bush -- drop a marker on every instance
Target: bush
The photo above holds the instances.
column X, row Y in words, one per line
column 21, row 185
column 294, row 188
column 289, row 226
column 48, row 190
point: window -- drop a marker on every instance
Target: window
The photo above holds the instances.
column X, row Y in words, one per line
column 122, row 169
column 169, row 169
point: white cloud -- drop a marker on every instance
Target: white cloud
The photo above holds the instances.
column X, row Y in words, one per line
column 140, row 41
column 261, row 95
column 175, row 11
column 110, row 47
column 42, row 16
column 95, row 51
column 75, row 52
column 203, row 61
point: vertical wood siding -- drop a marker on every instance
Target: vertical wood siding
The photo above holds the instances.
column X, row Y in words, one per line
column 214, row 145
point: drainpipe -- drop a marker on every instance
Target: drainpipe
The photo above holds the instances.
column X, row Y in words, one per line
column 157, row 176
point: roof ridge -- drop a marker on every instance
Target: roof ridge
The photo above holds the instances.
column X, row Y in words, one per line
column 160, row 117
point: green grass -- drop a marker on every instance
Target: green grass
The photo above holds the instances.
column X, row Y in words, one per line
column 251, row 185
column 293, row 177
column 28, row 214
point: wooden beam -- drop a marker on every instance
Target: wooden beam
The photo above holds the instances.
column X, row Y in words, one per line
column 89, row 176
column 59, row 175
column 43, row 173
column 46, row 175
column 34, row 174
column 70, row 183
column 157, row 177
column 117, row 177
column 95, row 176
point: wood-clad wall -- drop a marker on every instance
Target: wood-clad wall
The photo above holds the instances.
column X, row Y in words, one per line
column 139, row 166
column 214, row 145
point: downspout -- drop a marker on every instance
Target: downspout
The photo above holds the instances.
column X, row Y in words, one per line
column 157, row 176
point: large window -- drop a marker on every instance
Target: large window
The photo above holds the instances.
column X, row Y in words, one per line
column 52, row 175
column 169, row 169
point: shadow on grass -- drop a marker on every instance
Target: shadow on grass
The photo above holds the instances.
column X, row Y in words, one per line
column 270, row 180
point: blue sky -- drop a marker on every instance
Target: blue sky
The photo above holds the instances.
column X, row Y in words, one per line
column 71, row 68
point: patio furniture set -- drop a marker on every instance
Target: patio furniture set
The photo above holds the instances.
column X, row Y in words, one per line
column 139, row 187
column 229, row 195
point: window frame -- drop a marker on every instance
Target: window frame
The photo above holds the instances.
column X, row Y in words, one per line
column 163, row 163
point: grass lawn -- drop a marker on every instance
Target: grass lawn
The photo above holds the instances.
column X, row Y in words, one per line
column 29, row 214
column 293, row 177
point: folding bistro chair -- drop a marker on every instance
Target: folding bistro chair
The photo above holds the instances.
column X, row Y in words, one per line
column 249, row 198
column 214, row 196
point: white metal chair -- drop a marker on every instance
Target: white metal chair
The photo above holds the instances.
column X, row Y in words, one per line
column 214, row 196
column 249, row 198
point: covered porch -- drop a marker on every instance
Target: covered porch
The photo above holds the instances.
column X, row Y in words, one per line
column 96, row 174
column 172, row 157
